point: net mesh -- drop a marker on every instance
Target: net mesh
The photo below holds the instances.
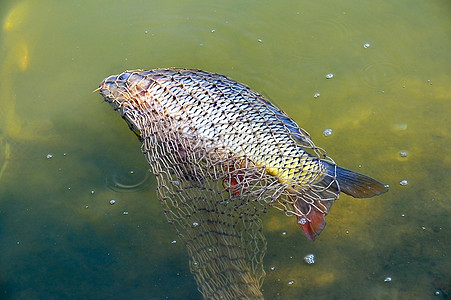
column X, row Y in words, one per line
column 218, row 223
column 221, row 154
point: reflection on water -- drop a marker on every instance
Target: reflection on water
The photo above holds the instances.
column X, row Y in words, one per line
column 17, row 44
column 58, row 239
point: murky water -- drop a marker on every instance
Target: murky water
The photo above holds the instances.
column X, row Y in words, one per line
column 64, row 154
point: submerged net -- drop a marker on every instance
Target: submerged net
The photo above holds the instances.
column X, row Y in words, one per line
column 221, row 230
column 221, row 154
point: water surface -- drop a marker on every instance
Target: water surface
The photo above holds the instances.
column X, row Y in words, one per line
column 62, row 149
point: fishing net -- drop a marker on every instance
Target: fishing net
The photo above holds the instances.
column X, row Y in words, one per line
column 222, row 154
column 221, row 230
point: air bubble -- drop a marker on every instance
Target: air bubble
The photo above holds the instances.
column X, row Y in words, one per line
column 366, row 45
column 327, row 132
column 112, row 201
column 310, row 259
column 49, row 156
column 302, row 221
column 316, row 95
column 195, row 224
column 403, row 182
column 329, row 76
column 388, row 279
column 291, row 282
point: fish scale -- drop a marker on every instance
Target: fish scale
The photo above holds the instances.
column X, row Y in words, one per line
column 225, row 114
column 267, row 130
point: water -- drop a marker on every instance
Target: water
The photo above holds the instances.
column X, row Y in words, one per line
column 60, row 240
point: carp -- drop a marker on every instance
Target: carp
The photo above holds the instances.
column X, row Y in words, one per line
column 229, row 118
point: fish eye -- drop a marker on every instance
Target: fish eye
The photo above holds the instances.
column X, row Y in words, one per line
column 124, row 76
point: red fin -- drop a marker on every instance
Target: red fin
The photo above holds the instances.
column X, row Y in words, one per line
column 235, row 180
column 234, row 185
column 311, row 219
column 312, row 224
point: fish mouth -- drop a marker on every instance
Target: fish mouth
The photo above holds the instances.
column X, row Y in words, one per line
column 122, row 93
column 114, row 90
column 109, row 88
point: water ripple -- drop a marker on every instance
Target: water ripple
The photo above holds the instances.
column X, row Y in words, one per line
column 381, row 74
column 128, row 178
column 329, row 28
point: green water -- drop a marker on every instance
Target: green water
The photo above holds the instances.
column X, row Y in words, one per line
column 60, row 238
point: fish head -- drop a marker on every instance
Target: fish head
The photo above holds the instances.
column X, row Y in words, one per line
column 127, row 88
column 127, row 93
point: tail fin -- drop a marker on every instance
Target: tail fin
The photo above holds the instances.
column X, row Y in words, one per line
column 312, row 205
column 355, row 184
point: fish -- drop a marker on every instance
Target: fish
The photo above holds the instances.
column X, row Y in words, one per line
column 224, row 114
